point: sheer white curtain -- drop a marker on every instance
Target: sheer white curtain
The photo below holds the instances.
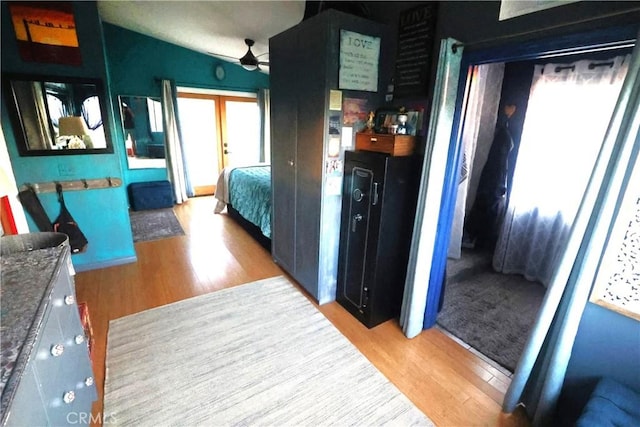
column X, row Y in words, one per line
column 567, row 117
column 478, row 130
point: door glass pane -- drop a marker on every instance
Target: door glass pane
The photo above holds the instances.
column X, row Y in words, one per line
column 199, row 134
column 243, row 132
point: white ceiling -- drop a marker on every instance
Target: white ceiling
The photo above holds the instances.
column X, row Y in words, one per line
column 217, row 27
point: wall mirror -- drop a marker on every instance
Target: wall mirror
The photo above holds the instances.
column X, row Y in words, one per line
column 143, row 132
column 57, row 115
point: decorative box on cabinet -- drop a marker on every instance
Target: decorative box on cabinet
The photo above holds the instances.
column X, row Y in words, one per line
column 304, row 69
column 47, row 377
column 395, row 145
column 378, row 208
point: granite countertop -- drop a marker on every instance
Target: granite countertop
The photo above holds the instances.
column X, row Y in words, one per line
column 25, row 291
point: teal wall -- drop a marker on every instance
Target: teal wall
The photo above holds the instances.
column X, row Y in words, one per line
column 135, row 61
column 101, row 213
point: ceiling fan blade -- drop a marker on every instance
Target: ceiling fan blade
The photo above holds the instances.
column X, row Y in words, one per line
column 224, row 56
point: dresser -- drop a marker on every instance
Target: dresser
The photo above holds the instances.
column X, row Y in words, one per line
column 46, row 372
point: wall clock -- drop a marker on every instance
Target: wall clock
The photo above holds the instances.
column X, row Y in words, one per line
column 220, row 73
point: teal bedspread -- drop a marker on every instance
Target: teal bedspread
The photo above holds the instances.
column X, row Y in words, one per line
column 250, row 195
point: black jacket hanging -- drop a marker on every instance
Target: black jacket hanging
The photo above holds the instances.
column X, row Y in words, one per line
column 32, row 205
column 67, row 225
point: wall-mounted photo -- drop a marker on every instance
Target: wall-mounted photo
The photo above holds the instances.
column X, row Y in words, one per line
column 46, row 32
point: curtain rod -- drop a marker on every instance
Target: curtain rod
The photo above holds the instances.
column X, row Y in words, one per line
column 455, row 46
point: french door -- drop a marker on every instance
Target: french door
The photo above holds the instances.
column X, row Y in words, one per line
column 217, row 131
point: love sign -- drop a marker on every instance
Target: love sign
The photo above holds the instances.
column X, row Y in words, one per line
column 359, row 60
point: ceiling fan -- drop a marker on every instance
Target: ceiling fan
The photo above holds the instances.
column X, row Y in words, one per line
column 249, row 61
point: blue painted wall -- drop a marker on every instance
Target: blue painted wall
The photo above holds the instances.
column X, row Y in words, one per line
column 101, row 214
column 607, row 345
column 134, row 62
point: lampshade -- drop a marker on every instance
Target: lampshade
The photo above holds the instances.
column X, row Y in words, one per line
column 72, row 125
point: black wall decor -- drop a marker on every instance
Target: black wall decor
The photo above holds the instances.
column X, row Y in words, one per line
column 416, row 29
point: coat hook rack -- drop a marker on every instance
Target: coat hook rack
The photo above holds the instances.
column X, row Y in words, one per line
column 74, row 185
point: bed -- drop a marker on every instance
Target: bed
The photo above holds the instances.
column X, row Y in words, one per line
column 246, row 193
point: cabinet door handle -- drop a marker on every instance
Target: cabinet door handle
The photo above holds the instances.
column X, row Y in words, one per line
column 356, row 219
column 291, row 163
column 69, row 299
column 375, row 194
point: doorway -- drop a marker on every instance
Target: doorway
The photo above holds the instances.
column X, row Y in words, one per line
column 506, row 238
column 219, row 129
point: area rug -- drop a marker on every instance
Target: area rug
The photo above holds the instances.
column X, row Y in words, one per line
column 492, row 312
column 256, row 354
column 154, row 224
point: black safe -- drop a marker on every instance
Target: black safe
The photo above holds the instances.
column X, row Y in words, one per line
column 379, row 196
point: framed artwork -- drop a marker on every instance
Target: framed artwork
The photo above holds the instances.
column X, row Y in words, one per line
column 384, row 118
column 416, row 32
column 46, row 32
column 359, row 61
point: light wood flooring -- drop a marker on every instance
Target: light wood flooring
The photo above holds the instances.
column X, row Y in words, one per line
column 450, row 384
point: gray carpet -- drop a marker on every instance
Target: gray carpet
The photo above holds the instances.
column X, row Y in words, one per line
column 491, row 312
column 256, row 354
column 154, row 224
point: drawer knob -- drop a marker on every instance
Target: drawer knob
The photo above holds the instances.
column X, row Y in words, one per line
column 79, row 339
column 57, row 350
column 88, row 381
column 69, row 299
column 69, row 397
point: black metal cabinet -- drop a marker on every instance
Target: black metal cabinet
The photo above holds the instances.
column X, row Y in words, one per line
column 378, row 208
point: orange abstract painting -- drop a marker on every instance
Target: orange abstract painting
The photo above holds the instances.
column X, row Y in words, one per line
column 46, row 32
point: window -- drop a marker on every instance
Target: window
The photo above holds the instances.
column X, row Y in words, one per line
column 155, row 115
column 91, row 112
column 56, row 109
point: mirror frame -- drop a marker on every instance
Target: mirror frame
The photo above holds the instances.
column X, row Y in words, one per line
column 17, row 122
column 152, row 160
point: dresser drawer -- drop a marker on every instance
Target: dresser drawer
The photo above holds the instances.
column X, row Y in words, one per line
column 395, row 145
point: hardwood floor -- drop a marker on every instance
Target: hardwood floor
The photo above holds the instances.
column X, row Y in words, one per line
column 451, row 385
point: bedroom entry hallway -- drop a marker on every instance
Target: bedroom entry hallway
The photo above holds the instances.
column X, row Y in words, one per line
column 451, row 385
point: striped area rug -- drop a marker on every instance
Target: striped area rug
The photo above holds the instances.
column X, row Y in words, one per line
column 256, row 354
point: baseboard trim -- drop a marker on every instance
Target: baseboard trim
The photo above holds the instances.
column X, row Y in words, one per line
column 105, row 264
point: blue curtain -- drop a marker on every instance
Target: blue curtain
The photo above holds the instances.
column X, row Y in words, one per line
column 176, row 167
column 264, row 103
column 538, row 379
